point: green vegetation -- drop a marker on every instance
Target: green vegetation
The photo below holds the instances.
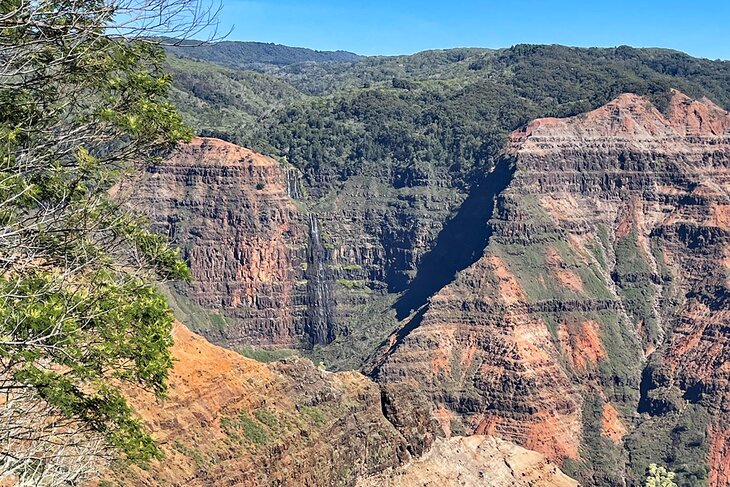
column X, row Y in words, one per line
column 530, row 265
column 218, row 320
column 192, row 453
column 624, row 359
column 348, row 134
column 351, row 284
column 599, row 247
column 194, row 316
column 268, row 418
column 583, row 75
column 369, row 325
column 634, row 277
column 450, row 109
column 314, row 413
column 258, row 55
column 660, row 477
column 218, row 101
column 630, row 260
column 602, row 460
column 678, row 439
column 79, row 317
column 245, row 428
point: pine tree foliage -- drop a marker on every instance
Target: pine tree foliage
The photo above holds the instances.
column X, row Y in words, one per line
column 83, row 104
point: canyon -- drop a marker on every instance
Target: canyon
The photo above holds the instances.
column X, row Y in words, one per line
column 565, row 336
column 572, row 301
column 229, row 420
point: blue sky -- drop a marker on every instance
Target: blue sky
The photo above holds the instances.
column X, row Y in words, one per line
column 698, row 27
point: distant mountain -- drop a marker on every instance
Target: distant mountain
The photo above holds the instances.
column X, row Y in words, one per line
column 441, row 95
column 218, row 101
column 258, row 55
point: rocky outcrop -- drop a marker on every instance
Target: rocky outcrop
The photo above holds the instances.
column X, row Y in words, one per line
column 594, row 327
column 229, row 420
column 476, row 460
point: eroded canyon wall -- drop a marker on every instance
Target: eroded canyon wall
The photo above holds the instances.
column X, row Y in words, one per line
column 589, row 317
column 232, row 421
column 594, row 328
column 277, row 267
column 255, row 253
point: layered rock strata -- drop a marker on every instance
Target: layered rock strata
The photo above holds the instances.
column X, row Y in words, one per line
column 275, row 267
column 594, row 328
column 231, row 421
column 256, row 256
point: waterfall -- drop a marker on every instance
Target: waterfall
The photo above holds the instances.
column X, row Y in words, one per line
column 294, row 187
column 320, row 317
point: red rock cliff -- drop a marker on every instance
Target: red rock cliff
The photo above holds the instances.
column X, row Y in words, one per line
column 244, row 238
column 595, row 326
column 229, row 420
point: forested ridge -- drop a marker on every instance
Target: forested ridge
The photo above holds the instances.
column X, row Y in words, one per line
column 256, row 55
column 450, row 108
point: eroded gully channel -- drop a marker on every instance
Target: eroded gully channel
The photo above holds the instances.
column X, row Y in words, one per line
column 460, row 244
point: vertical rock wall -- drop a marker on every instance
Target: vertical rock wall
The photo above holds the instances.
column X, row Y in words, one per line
column 594, row 327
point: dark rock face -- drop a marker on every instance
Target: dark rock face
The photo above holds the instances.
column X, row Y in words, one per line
column 460, row 242
column 378, row 229
column 608, row 251
column 319, row 325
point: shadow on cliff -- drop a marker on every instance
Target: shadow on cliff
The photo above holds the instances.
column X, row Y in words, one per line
column 459, row 244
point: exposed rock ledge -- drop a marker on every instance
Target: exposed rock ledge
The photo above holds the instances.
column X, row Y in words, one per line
column 231, row 421
column 475, row 460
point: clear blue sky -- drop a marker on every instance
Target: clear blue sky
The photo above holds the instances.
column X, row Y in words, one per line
column 698, row 27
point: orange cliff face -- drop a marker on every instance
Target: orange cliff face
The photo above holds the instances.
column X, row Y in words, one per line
column 230, row 210
column 630, row 119
column 599, row 304
column 229, row 420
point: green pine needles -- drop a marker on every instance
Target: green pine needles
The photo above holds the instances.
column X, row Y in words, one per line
column 80, row 319
column 660, row 477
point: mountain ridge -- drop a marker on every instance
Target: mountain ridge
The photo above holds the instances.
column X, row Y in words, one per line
column 255, row 55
